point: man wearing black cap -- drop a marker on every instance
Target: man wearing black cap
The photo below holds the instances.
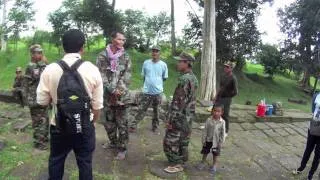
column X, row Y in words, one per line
column 228, row 89
column 75, row 89
column 154, row 72
column 180, row 117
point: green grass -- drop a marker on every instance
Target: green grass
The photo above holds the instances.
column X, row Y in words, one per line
column 278, row 89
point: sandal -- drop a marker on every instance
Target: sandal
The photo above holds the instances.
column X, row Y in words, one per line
column 296, row 172
column 121, row 155
column 173, row 169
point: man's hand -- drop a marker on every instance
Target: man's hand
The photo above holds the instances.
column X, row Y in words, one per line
column 117, row 93
column 169, row 126
column 96, row 116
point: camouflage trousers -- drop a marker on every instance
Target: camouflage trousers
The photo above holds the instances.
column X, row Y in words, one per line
column 116, row 125
column 146, row 101
column 40, row 125
column 175, row 146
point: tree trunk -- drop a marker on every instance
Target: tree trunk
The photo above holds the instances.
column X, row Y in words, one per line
column 173, row 31
column 305, row 83
column 208, row 62
column 315, row 84
column 113, row 5
column 3, row 34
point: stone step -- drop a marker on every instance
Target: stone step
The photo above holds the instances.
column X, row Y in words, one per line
column 21, row 125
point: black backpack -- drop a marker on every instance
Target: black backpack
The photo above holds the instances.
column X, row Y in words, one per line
column 73, row 102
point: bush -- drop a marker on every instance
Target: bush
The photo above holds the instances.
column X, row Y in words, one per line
column 270, row 58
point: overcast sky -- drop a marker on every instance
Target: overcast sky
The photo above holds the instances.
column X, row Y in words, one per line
column 267, row 21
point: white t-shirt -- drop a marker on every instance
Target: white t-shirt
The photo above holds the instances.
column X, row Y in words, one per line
column 316, row 113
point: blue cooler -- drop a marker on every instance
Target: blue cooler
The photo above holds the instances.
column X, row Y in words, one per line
column 269, row 111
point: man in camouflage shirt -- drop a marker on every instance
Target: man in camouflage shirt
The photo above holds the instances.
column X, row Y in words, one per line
column 181, row 115
column 17, row 86
column 115, row 68
column 39, row 114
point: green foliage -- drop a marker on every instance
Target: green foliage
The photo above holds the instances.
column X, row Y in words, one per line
column 20, row 14
column 142, row 31
column 270, row 57
column 236, row 30
column 103, row 14
column 301, row 23
column 133, row 26
column 60, row 24
column 41, row 37
column 157, row 27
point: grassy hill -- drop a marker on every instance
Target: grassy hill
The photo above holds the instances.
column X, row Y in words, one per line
column 252, row 87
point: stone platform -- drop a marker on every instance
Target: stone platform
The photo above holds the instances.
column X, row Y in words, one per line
column 244, row 113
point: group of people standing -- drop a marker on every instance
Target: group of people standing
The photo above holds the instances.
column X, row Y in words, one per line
column 77, row 90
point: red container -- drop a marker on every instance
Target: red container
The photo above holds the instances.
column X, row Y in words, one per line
column 261, row 110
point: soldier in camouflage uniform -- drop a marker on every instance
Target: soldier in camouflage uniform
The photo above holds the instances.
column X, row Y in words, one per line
column 115, row 67
column 181, row 115
column 39, row 114
column 17, row 86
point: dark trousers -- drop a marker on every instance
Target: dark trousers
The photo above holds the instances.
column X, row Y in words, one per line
column 226, row 102
column 313, row 143
column 82, row 145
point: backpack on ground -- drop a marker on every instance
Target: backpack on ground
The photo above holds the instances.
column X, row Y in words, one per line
column 73, row 102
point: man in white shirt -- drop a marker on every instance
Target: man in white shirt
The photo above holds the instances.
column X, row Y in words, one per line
column 49, row 91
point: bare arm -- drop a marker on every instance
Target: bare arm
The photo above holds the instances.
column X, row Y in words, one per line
column 96, row 115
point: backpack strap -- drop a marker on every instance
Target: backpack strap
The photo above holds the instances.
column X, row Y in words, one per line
column 64, row 66
column 74, row 68
column 76, row 65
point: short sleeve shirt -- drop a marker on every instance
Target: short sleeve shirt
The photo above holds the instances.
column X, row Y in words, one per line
column 154, row 73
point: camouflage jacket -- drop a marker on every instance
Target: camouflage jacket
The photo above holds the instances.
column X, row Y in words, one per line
column 30, row 82
column 119, row 80
column 182, row 109
column 17, row 83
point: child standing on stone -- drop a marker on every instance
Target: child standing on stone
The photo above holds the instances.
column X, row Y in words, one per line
column 213, row 137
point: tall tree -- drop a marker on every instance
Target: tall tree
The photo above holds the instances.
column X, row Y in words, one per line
column 208, row 62
column 3, row 26
column 173, row 31
column 270, row 57
column 113, row 5
column 301, row 22
column 60, row 22
column 133, row 26
column 156, row 27
column 101, row 12
column 80, row 16
column 19, row 16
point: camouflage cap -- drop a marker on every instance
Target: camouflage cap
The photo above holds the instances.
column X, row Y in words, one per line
column 185, row 57
column 156, row 48
column 229, row 64
column 35, row 48
column 18, row 69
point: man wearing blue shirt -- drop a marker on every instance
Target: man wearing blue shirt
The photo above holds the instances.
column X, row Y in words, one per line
column 154, row 72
